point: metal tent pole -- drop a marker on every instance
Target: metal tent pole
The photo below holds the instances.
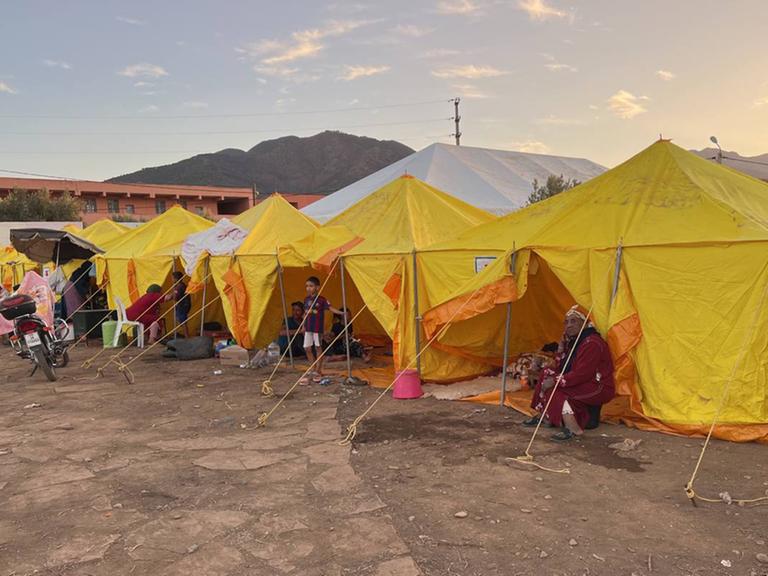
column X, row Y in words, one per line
column 205, row 294
column 507, row 326
column 619, row 251
column 285, row 309
column 417, row 319
column 346, row 315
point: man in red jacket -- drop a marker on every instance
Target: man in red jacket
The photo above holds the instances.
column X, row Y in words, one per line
column 587, row 381
column 147, row 310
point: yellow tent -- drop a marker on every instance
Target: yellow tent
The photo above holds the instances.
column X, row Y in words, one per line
column 124, row 268
column 396, row 221
column 13, row 266
column 248, row 278
column 671, row 253
column 104, row 233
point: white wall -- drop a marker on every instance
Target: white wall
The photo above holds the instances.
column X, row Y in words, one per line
column 6, row 227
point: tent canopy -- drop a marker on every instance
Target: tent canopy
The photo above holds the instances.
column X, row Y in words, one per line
column 126, row 267
column 45, row 245
column 103, row 233
column 407, row 214
column 497, row 181
column 668, row 250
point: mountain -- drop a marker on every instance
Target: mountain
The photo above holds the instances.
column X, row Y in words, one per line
column 319, row 164
column 756, row 166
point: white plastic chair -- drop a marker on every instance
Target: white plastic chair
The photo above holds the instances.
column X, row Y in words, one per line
column 123, row 322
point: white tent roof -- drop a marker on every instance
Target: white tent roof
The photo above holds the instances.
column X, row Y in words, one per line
column 498, row 181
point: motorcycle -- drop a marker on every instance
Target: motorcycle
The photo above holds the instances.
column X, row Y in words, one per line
column 32, row 338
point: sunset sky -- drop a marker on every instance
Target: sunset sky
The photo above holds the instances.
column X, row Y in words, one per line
column 94, row 89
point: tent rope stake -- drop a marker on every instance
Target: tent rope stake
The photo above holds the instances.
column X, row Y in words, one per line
column 266, row 415
column 689, row 490
column 266, row 385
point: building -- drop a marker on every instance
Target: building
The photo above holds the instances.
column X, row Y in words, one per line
column 139, row 202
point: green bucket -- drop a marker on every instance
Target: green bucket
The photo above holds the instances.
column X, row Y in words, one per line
column 108, row 334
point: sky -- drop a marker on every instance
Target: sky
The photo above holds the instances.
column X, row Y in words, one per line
column 94, row 89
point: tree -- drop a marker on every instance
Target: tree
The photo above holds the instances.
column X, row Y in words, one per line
column 32, row 206
column 553, row 187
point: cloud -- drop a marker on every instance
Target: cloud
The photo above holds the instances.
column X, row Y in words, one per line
column 57, row 64
column 143, row 70
column 560, row 67
column 531, row 146
column 131, row 21
column 354, row 72
column 195, row 105
column 469, row 72
column 470, row 92
column 181, row 43
column 411, row 30
column 552, row 120
column 453, row 7
column 626, row 105
column 759, row 103
column 540, row 10
column 666, row 75
column 142, row 84
column 150, row 108
column 6, row 89
column 439, row 53
column 301, row 44
column 276, row 71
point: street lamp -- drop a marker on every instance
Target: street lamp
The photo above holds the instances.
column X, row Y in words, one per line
column 714, row 141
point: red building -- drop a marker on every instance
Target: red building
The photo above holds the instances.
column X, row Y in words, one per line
column 141, row 202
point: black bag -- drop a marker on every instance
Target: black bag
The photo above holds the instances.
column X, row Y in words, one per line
column 197, row 348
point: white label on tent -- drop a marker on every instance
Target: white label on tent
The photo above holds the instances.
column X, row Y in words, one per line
column 481, row 262
column 46, row 272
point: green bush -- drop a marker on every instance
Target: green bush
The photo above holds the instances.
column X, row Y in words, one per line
column 30, row 206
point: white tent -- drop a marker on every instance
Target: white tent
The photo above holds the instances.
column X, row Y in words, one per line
column 498, row 181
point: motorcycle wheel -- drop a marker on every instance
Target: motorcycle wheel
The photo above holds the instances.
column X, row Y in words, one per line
column 63, row 360
column 43, row 363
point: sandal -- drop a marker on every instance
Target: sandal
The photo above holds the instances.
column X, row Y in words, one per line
column 563, row 436
column 531, row 422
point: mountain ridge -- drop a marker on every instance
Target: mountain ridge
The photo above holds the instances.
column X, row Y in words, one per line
column 318, row 164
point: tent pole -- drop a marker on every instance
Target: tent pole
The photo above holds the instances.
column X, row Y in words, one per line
column 205, row 295
column 175, row 326
column 346, row 315
column 417, row 319
column 619, row 251
column 507, row 325
column 285, row 309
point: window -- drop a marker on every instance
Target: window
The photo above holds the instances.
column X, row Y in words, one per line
column 113, row 205
column 183, row 204
column 159, row 206
column 200, row 210
column 90, row 205
column 130, row 209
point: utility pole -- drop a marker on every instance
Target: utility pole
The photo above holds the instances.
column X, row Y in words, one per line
column 457, row 120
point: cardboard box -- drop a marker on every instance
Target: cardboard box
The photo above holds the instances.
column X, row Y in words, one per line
column 233, row 356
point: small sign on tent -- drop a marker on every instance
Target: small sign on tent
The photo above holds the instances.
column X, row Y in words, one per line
column 482, row 262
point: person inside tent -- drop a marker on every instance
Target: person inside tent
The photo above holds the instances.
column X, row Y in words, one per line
column 336, row 343
column 147, row 311
column 183, row 303
column 586, row 384
column 288, row 332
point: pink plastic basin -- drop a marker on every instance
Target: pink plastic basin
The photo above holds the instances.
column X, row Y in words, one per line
column 407, row 385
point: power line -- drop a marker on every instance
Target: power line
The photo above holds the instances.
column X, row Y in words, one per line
column 748, row 161
column 221, row 132
column 230, row 115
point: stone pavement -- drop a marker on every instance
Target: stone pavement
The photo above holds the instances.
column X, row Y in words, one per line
column 109, row 479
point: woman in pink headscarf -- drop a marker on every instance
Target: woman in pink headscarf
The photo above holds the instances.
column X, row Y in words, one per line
column 586, row 384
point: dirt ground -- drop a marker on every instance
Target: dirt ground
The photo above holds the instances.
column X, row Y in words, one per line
column 172, row 476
